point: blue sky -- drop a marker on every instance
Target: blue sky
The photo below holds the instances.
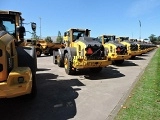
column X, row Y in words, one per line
column 118, row 17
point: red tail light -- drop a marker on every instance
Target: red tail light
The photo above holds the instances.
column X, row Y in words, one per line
column 89, row 51
column 118, row 49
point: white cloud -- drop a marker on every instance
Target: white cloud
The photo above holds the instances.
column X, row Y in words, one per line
column 141, row 7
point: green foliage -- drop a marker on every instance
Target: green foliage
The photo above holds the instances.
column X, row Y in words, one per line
column 154, row 39
column 158, row 38
column 59, row 38
column 144, row 100
column 48, row 39
column 34, row 36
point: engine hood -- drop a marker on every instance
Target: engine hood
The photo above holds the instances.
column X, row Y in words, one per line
column 133, row 43
column 130, row 42
column 116, row 43
column 89, row 41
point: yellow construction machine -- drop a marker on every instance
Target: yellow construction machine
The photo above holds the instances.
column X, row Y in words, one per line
column 18, row 63
column 46, row 48
column 146, row 47
column 151, row 46
column 117, row 51
column 132, row 47
column 43, row 47
column 81, row 52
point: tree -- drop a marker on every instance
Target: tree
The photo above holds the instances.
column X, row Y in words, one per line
column 48, row 39
column 34, row 36
column 153, row 38
column 158, row 38
column 59, row 38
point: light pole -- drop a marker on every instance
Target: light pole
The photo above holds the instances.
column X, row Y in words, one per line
column 139, row 30
column 40, row 26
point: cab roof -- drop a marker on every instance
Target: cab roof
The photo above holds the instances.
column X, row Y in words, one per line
column 107, row 35
column 10, row 12
column 77, row 29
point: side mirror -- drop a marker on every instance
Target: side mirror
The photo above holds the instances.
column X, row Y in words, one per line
column 33, row 26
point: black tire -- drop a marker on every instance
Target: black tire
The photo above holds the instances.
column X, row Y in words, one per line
column 96, row 70
column 46, row 54
column 118, row 62
column 51, row 52
column 133, row 57
column 68, row 65
column 60, row 61
column 30, row 60
column 38, row 52
column 29, row 53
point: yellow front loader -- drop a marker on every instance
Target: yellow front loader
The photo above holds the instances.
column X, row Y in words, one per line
column 18, row 64
column 46, row 48
column 117, row 51
column 81, row 52
column 132, row 47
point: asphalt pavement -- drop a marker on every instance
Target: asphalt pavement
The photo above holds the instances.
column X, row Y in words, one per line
column 84, row 96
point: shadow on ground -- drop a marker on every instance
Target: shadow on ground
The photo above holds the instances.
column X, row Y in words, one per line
column 43, row 69
column 55, row 100
column 127, row 63
column 143, row 54
column 138, row 58
column 106, row 73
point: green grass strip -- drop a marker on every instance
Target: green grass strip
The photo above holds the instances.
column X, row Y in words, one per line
column 144, row 100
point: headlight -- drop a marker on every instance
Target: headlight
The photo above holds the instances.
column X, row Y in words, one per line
column 20, row 79
column 88, row 50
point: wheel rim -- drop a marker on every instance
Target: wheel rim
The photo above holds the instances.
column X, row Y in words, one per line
column 66, row 63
